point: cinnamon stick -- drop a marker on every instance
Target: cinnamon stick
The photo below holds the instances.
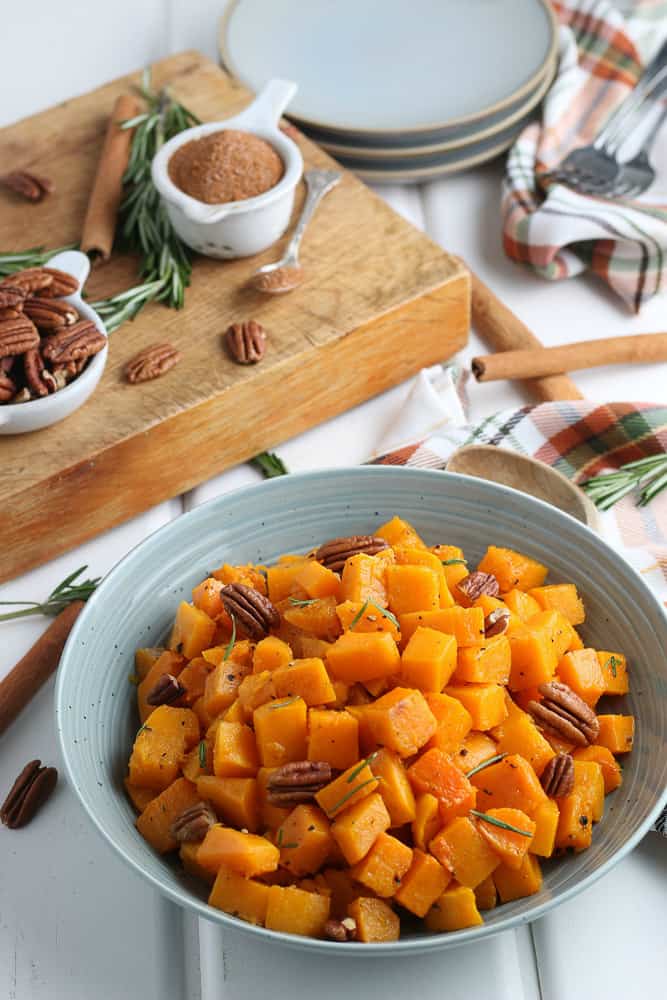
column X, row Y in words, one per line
column 24, row 681
column 538, row 362
column 99, row 226
column 505, row 332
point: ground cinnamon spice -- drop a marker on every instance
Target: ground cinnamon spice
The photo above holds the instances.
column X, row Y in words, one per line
column 225, row 166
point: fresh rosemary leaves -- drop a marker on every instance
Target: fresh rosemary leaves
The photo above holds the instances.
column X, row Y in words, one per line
column 70, row 589
column 648, row 475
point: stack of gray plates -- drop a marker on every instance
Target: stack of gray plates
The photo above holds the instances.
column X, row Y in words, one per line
column 400, row 90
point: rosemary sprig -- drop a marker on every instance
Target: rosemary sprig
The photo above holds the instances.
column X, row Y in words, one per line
column 284, row 704
column 295, row 602
column 269, row 465
column 499, row 822
column 348, row 795
column 360, row 766
column 647, row 475
column 230, row 645
column 452, row 562
column 613, row 663
column 70, row 589
column 202, row 754
column 485, row 763
column 33, row 257
column 371, row 604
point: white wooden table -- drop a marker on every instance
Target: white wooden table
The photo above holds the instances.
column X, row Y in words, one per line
column 75, row 923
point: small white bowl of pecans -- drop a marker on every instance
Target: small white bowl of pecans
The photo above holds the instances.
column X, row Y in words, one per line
column 53, row 346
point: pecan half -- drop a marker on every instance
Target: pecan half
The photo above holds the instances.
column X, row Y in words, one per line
column 32, row 187
column 194, row 823
column 334, row 553
column 7, row 387
column 14, row 313
column 73, row 343
column 564, row 713
column 151, row 363
column 40, row 380
column 496, row 622
column 28, row 793
column 166, row 690
column 558, row 776
column 278, row 281
column 61, row 284
column 17, row 336
column 50, row 314
column 246, row 342
column 31, row 280
column 11, row 296
column 341, row 930
column 250, row 609
column 475, row 584
column 297, row 782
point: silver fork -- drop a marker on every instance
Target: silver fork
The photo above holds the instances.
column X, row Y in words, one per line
column 595, row 169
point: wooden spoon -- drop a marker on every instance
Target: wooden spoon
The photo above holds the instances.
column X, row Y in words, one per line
column 485, row 461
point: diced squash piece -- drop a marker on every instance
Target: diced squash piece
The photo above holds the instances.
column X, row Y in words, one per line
column 363, row 579
column 434, row 772
column 423, row 883
column 363, row 656
column 521, row 604
column 367, row 742
column 317, row 580
column 614, row 668
column 465, row 624
column 533, row 657
column 281, row 731
column 394, row 786
column 241, row 653
column 371, row 620
column 561, row 597
column 546, row 818
column 398, row 533
column 510, row 846
column 429, row 660
column 245, row 853
column 454, row 910
column 357, row 828
column 235, row 800
column 581, row 671
column 333, row 737
column 318, row 619
column 145, row 658
column 512, row 569
column 453, row 720
column 248, row 575
column 401, row 720
column 377, row 687
column 342, row 888
column 239, row 896
column 511, row 782
column 255, row 690
column 588, row 777
column 234, row 751
column 236, row 712
column 154, row 824
column 383, row 868
column 427, row 820
column 453, row 563
column 270, row 653
column 192, row 632
column 347, row 789
column 281, row 580
column 487, row 664
column 486, row 895
column 187, row 853
column 516, row 883
column 271, row 816
column 193, row 679
column 206, row 597
column 294, row 911
column 462, row 850
column 306, row 678
column 222, row 686
column 304, row 839
column 484, row 702
column 611, row 769
column 161, row 745
column 412, row 588
column 376, row 921
column 575, row 823
column 167, row 663
column 139, row 797
column 422, row 557
column 557, row 627
column 476, row 748
column 199, row 761
column 519, row 734
column 616, row 732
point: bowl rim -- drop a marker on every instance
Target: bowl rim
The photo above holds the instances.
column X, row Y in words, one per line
column 430, row 942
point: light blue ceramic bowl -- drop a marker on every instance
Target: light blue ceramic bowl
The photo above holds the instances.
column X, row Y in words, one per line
column 95, row 704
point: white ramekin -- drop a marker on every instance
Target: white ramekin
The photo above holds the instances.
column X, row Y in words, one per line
column 236, row 228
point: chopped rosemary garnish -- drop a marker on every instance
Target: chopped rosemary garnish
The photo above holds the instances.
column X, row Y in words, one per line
column 144, row 728
column 348, row 795
column 69, row 590
column 284, row 704
column 499, row 822
column 202, row 754
column 371, row 604
column 288, row 847
column 10, row 263
column 133, row 679
column 648, row 475
column 269, row 465
column 302, row 604
column 359, row 768
column 612, row 663
column 230, row 645
column 485, row 763
column 279, row 838
column 452, row 562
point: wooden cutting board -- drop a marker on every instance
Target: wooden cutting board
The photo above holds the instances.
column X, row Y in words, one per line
column 380, row 302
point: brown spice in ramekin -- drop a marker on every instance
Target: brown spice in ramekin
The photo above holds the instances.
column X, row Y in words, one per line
column 225, row 166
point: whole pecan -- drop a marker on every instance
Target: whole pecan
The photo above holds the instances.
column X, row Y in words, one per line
column 14, row 313
column 50, row 314
column 564, row 713
column 250, row 609
column 73, row 343
column 341, row 930
column 558, row 776
column 496, row 622
column 39, row 379
column 32, row 187
column 7, row 387
column 194, row 823
column 334, row 553
column 152, row 362
column 28, row 793
column 297, row 782
column 279, row 280
column 17, row 336
column 11, row 296
column 31, row 280
column 61, row 284
column 246, row 342
column 166, row 690
column 475, row 584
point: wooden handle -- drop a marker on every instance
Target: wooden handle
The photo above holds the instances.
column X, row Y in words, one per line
column 505, row 332
column 24, row 681
column 640, row 348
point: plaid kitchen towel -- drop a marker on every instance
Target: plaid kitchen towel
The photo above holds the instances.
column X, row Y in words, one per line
column 551, row 228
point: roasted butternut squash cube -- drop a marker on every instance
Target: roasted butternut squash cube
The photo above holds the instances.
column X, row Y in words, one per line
column 427, row 820
column 534, row 658
column 247, row 574
column 423, row 883
column 187, row 853
column 484, row 702
column 363, row 579
column 342, row 888
column 154, row 823
column 255, row 690
column 546, row 818
column 561, row 597
column 318, row 618
column 376, row 921
column 306, row 678
column 367, row 620
column 281, row 731
column 199, row 761
column 519, row 734
column 294, row 911
column 512, row 569
column 193, row 679
column 557, row 627
column 454, row 722
column 487, row 664
column 367, row 742
column 304, row 839
column 394, row 786
column 454, row 910
column 192, row 632
column 383, row 868
column 453, row 563
column 167, row 663
column 616, row 732
column 511, row 846
column 270, row 653
column 139, row 797
column 588, row 777
column 206, row 597
column 161, row 745
column 575, row 822
column 145, row 658
column 465, row 624
column 462, row 850
column 347, row 789
column 429, row 660
column 240, row 653
column 516, row 883
column 511, row 782
column 317, row 580
column 234, row 751
column 398, row 532
column 521, row 604
column 239, row 896
column 333, row 737
column 222, row 686
column 434, row 772
column 476, row 748
column 486, row 895
column 245, row 853
column 357, row 828
column 611, row 769
column 235, row 800
column 614, row 668
column 581, row 671
column 406, row 556
column 281, row 580
column 363, row 656
column 401, row 720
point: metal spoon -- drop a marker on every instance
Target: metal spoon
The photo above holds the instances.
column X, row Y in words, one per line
column 286, row 274
column 485, row 461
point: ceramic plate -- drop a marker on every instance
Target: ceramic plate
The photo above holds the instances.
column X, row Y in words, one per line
column 384, row 66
